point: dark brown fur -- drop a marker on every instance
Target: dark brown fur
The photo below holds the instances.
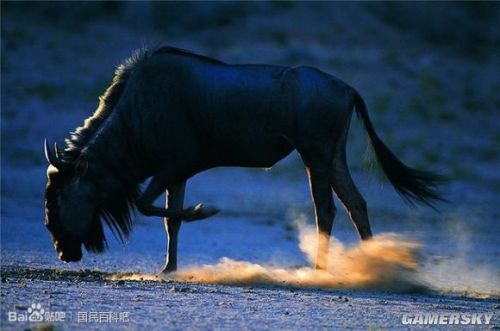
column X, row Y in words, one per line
column 170, row 114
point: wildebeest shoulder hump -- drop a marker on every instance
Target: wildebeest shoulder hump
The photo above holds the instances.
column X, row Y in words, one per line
column 180, row 51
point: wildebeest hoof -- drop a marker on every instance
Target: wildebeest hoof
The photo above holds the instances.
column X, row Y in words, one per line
column 199, row 212
column 167, row 270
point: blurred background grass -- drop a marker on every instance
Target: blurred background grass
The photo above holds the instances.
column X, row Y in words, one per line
column 429, row 71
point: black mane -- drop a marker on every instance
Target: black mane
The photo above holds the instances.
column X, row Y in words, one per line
column 107, row 102
column 118, row 210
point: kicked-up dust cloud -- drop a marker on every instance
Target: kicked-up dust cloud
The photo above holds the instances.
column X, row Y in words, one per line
column 465, row 270
column 388, row 262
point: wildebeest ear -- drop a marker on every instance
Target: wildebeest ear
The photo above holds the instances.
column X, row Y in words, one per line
column 81, row 167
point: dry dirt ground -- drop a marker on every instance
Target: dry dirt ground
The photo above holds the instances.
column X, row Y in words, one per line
column 435, row 103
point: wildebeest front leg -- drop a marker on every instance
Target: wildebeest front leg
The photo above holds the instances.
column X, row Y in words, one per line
column 174, row 201
column 157, row 186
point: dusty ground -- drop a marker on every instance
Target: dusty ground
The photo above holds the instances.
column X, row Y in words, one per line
column 436, row 107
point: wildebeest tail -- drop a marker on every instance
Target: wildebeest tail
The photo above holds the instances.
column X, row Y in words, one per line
column 413, row 185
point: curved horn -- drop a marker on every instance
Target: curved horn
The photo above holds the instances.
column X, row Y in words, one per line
column 53, row 158
column 58, row 150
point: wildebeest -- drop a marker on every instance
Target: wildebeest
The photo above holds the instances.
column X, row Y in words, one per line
column 169, row 114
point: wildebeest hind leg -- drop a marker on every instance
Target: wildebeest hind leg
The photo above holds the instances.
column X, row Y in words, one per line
column 347, row 192
column 174, row 201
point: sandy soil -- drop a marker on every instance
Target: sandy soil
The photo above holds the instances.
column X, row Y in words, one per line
column 248, row 267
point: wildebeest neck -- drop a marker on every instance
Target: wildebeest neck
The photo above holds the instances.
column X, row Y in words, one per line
column 116, row 169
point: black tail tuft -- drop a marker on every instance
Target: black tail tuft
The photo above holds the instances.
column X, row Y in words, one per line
column 413, row 185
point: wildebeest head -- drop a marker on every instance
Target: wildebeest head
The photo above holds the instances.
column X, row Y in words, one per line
column 71, row 207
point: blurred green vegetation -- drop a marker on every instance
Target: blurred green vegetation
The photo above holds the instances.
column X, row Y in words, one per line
column 381, row 102
column 470, row 28
column 413, row 84
column 44, row 90
column 197, row 15
column 54, row 11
